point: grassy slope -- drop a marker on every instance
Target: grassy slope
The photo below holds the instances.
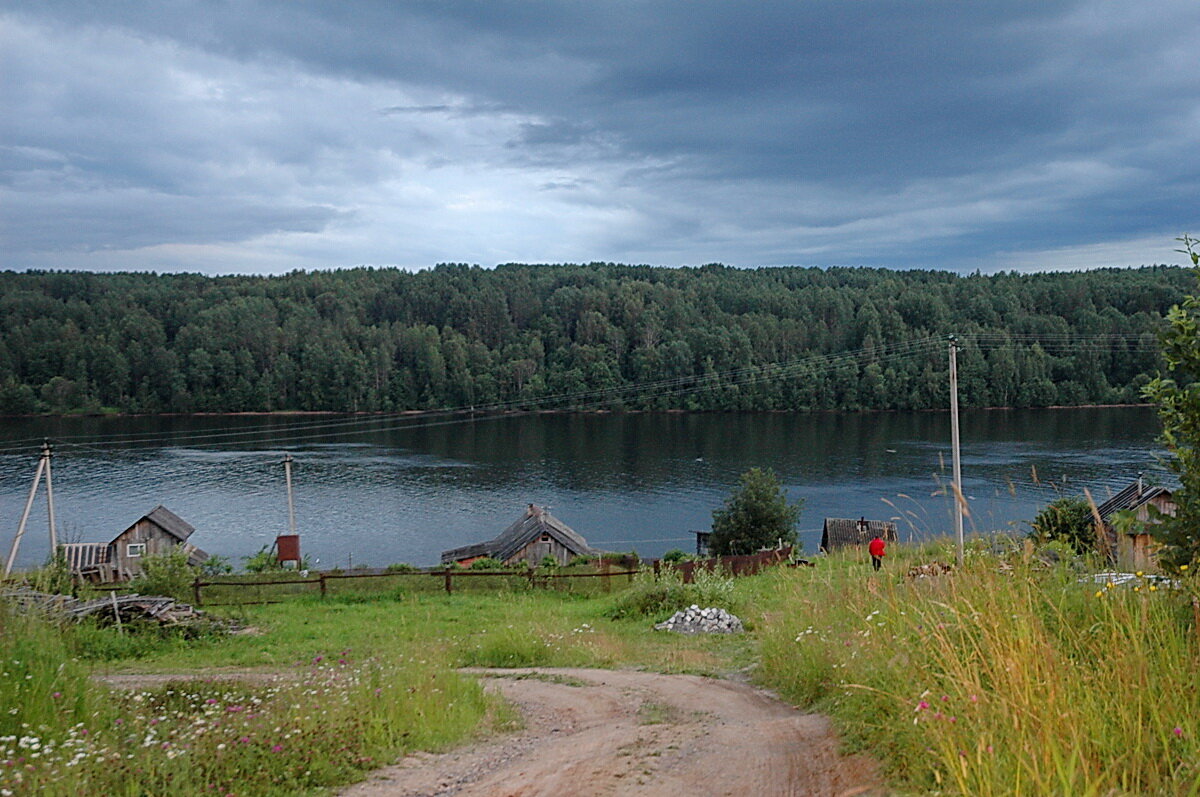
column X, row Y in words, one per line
column 988, row 682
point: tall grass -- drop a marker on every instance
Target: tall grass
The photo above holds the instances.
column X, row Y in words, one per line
column 995, row 680
column 316, row 726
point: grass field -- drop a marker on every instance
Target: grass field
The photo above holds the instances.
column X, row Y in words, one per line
column 1007, row 677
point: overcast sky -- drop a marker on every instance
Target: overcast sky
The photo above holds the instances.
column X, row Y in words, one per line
column 262, row 137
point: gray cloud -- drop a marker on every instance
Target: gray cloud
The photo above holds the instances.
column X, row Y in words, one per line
column 289, row 134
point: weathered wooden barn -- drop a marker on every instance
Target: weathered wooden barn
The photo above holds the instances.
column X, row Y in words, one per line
column 157, row 532
column 846, row 532
column 1135, row 549
column 534, row 536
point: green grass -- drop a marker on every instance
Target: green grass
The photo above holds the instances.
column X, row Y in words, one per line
column 320, row 725
column 995, row 681
column 1003, row 678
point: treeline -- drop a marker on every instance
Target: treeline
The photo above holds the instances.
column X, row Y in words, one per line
column 459, row 336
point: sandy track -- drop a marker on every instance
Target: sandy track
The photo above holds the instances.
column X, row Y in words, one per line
column 603, row 732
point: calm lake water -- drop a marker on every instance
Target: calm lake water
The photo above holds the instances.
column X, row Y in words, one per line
column 376, row 491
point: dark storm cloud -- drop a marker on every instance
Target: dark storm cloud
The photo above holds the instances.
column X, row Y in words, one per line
column 893, row 133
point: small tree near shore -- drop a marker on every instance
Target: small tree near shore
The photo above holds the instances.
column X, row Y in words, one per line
column 756, row 515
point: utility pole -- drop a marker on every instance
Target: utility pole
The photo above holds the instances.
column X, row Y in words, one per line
column 50, row 500
column 287, row 472
column 42, row 468
column 958, row 493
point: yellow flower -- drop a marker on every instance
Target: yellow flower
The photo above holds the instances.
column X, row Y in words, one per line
column 1183, row 567
column 1138, row 574
column 1099, row 594
column 1110, row 585
column 1137, row 589
column 1153, row 588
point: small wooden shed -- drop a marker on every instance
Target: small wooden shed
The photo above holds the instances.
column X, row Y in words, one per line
column 534, row 536
column 157, row 532
column 842, row 532
column 1136, row 550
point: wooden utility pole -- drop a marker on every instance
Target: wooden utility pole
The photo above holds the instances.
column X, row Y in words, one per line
column 50, row 500
column 42, row 468
column 958, row 493
column 287, row 472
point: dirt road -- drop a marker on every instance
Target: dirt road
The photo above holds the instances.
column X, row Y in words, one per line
column 602, row 732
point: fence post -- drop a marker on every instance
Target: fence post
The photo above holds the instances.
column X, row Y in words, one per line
column 321, row 578
column 196, row 591
column 657, row 568
column 604, row 568
column 449, row 585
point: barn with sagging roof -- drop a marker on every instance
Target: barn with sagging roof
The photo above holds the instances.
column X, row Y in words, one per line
column 846, row 532
column 534, row 536
column 155, row 533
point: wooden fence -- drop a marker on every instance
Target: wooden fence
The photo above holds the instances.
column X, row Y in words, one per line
column 734, row 565
column 320, row 585
column 445, row 579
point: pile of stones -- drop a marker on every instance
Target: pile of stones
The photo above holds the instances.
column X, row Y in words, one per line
column 694, row 620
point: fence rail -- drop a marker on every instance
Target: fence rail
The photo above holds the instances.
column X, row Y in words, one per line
column 534, row 579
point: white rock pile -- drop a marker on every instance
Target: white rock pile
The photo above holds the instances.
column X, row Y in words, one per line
column 694, row 620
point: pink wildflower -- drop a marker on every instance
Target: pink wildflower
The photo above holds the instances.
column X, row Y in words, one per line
column 1177, row 731
column 277, row 748
column 922, row 706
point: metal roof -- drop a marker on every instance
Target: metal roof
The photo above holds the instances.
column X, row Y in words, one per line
column 1133, row 496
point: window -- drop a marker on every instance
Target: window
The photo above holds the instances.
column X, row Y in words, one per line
column 135, row 549
column 545, row 538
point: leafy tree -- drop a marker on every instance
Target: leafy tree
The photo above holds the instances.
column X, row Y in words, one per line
column 756, row 515
column 1177, row 395
column 1066, row 520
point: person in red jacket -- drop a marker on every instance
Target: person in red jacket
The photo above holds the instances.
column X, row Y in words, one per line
column 877, row 548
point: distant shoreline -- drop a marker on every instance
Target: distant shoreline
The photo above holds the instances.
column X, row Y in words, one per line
column 514, row 413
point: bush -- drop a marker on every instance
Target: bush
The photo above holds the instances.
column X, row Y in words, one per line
column 486, row 563
column 659, row 598
column 1067, row 520
column 401, row 567
column 676, row 555
column 165, row 574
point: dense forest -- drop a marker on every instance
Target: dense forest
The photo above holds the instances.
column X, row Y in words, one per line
column 599, row 335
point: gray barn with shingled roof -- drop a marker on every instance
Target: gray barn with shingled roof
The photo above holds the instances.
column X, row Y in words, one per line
column 843, row 532
column 534, row 536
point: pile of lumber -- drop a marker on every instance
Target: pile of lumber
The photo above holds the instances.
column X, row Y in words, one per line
column 156, row 608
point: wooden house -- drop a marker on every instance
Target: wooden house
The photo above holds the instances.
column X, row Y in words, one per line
column 1135, row 549
column 157, row 532
column 847, row 532
column 534, row 536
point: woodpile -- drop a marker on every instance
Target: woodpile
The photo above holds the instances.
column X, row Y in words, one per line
column 929, row 570
column 116, row 609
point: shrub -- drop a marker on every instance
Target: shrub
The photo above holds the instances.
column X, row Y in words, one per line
column 676, row 555
column 165, row 574
column 661, row 597
column 1067, row 520
column 401, row 567
column 486, row 563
